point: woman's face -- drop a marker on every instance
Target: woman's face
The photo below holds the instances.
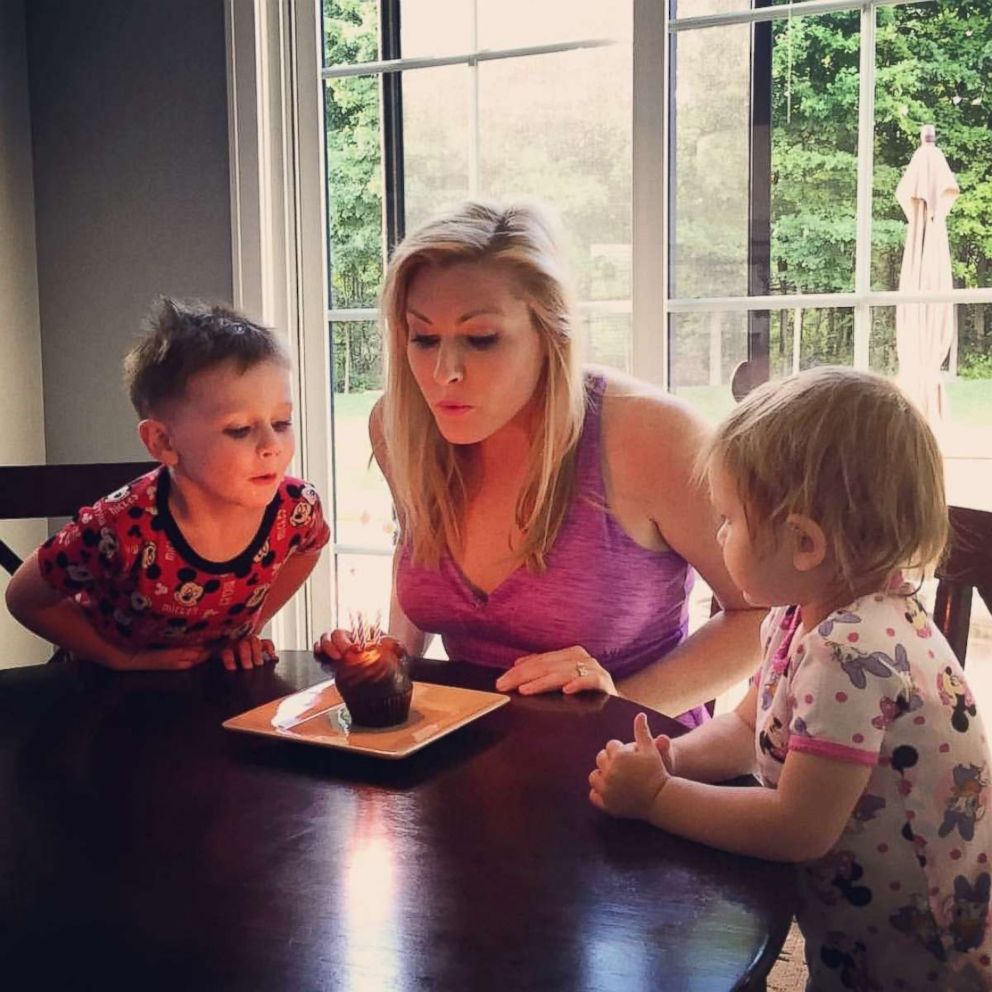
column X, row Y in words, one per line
column 472, row 348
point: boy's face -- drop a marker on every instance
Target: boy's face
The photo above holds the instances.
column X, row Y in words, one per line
column 231, row 436
column 765, row 572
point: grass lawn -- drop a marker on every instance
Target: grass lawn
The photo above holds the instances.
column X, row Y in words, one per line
column 970, row 401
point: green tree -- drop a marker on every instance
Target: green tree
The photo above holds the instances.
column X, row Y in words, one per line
column 934, row 65
column 354, row 188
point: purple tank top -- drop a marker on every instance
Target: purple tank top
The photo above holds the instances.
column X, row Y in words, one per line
column 626, row 605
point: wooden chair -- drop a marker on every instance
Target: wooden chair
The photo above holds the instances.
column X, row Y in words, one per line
column 31, row 492
column 966, row 566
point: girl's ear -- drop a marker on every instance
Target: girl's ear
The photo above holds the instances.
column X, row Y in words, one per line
column 155, row 436
column 810, row 547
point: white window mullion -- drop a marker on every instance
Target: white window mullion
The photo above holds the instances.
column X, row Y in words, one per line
column 338, row 314
column 315, row 432
column 473, row 108
column 823, row 301
column 757, row 15
column 650, row 236
column 467, row 58
column 866, row 168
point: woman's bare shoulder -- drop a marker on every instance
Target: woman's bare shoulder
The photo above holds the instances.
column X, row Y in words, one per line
column 636, row 412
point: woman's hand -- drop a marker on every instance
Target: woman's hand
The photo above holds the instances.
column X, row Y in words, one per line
column 629, row 777
column 333, row 644
column 250, row 652
column 570, row 670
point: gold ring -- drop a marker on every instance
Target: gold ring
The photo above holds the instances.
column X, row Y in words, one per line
column 580, row 669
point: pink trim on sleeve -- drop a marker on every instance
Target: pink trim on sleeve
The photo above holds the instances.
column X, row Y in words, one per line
column 830, row 749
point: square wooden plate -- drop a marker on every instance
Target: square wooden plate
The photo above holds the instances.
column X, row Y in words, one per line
column 318, row 716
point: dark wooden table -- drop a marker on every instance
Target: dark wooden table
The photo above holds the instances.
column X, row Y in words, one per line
column 144, row 847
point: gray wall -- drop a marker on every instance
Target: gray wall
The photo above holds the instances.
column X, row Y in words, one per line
column 22, row 434
column 113, row 190
column 132, row 200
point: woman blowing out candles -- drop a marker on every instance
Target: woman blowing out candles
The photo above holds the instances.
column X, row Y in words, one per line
column 550, row 521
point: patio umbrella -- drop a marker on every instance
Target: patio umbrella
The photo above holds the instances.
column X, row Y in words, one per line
column 924, row 331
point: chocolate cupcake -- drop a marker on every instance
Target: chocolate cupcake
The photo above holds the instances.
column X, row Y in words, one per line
column 373, row 681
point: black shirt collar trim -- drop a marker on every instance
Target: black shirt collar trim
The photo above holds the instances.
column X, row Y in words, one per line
column 241, row 563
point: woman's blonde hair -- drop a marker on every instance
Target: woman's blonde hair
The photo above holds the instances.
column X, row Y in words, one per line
column 848, row 450
column 426, row 471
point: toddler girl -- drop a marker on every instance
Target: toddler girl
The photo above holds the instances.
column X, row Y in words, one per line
column 859, row 722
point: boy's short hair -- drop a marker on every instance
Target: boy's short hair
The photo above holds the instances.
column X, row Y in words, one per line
column 186, row 338
column 848, row 450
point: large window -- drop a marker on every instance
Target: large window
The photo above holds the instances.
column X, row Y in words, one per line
column 790, row 127
column 425, row 104
column 724, row 172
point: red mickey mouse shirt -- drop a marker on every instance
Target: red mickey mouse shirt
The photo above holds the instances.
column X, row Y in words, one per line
column 125, row 561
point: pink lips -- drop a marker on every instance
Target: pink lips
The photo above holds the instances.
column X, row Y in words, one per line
column 264, row 480
column 452, row 409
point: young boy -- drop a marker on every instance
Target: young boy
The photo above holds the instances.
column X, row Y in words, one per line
column 192, row 559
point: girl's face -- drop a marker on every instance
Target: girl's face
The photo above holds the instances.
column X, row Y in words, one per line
column 766, row 575
column 473, row 348
column 232, row 433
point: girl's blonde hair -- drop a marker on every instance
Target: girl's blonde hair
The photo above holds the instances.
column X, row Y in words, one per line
column 426, row 471
column 848, row 450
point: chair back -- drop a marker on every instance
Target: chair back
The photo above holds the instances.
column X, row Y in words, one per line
column 29, row 492
column 966, row 566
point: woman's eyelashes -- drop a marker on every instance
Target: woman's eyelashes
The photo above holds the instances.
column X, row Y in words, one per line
column 479, row 342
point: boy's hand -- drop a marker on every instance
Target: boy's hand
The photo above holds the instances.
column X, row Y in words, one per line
column 250, row 652
column 629, row 777
column 159, row 659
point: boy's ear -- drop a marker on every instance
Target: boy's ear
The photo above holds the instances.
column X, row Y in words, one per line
column 155, row 436
column 810, row 547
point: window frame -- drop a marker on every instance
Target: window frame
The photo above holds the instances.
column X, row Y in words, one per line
column 278, row 209
column 863, row 299
column 279, row 259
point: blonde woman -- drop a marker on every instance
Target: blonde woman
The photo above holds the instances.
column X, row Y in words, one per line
column 550, row 521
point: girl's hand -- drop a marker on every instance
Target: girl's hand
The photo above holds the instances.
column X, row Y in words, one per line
column 664, row 745
column 629, row 777
column 159, row 659
column 570, row 670
column 249, row 652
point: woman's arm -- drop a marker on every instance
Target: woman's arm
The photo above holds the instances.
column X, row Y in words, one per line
column 651, row 443
column 666, row 491
column 721, row 749
column 718, row 656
